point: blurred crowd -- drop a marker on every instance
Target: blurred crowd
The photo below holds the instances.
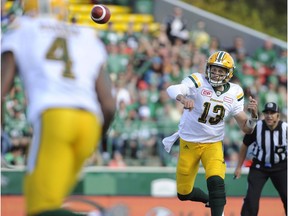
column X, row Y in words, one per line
column 142, row 65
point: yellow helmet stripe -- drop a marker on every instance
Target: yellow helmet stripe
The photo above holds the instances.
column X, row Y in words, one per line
column 195, row 80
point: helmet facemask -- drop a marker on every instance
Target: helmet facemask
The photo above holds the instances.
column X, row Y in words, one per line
column 221, row 80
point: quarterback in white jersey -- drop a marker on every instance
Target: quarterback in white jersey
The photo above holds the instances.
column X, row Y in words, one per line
column 210, row 109
column 208, row 99
column 70, row 103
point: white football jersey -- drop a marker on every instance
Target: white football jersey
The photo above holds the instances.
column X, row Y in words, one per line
column 205, row 123
column 58, row 63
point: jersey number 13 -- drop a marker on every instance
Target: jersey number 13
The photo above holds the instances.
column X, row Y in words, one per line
column 219, row 110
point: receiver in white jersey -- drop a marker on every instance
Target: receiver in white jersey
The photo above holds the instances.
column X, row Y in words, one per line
column 205, row 122
column 55, row 63
column 70, row 102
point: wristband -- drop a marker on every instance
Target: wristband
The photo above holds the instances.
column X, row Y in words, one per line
column 251, row 122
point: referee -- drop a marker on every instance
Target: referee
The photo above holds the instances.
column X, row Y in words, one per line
column 269, row 141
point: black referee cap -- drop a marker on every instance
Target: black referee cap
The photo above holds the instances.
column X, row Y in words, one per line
column 271, row 106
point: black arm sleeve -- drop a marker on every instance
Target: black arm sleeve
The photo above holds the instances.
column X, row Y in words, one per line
column 250, row 138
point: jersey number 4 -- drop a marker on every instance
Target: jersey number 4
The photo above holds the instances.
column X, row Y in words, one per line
column 218, row 109
column 59, row 51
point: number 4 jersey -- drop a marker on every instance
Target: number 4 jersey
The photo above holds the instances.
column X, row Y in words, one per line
column 58, row 63
column 205, row 123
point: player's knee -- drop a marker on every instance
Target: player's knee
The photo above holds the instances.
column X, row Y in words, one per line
column 184, row 188
column 216, row 188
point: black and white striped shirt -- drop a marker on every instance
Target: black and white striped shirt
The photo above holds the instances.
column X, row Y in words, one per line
column 269, row 147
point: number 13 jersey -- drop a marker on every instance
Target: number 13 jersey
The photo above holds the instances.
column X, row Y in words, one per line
column 205, row 122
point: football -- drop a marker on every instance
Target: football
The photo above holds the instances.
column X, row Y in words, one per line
column 100, row 14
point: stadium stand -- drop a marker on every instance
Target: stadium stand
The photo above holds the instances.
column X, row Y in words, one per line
column 121, row 17
column 142, row 63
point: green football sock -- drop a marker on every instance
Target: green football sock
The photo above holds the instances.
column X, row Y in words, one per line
column 196, row 195
column 217, row 196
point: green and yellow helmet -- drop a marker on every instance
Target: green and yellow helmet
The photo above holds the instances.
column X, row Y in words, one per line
column 220, row 59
